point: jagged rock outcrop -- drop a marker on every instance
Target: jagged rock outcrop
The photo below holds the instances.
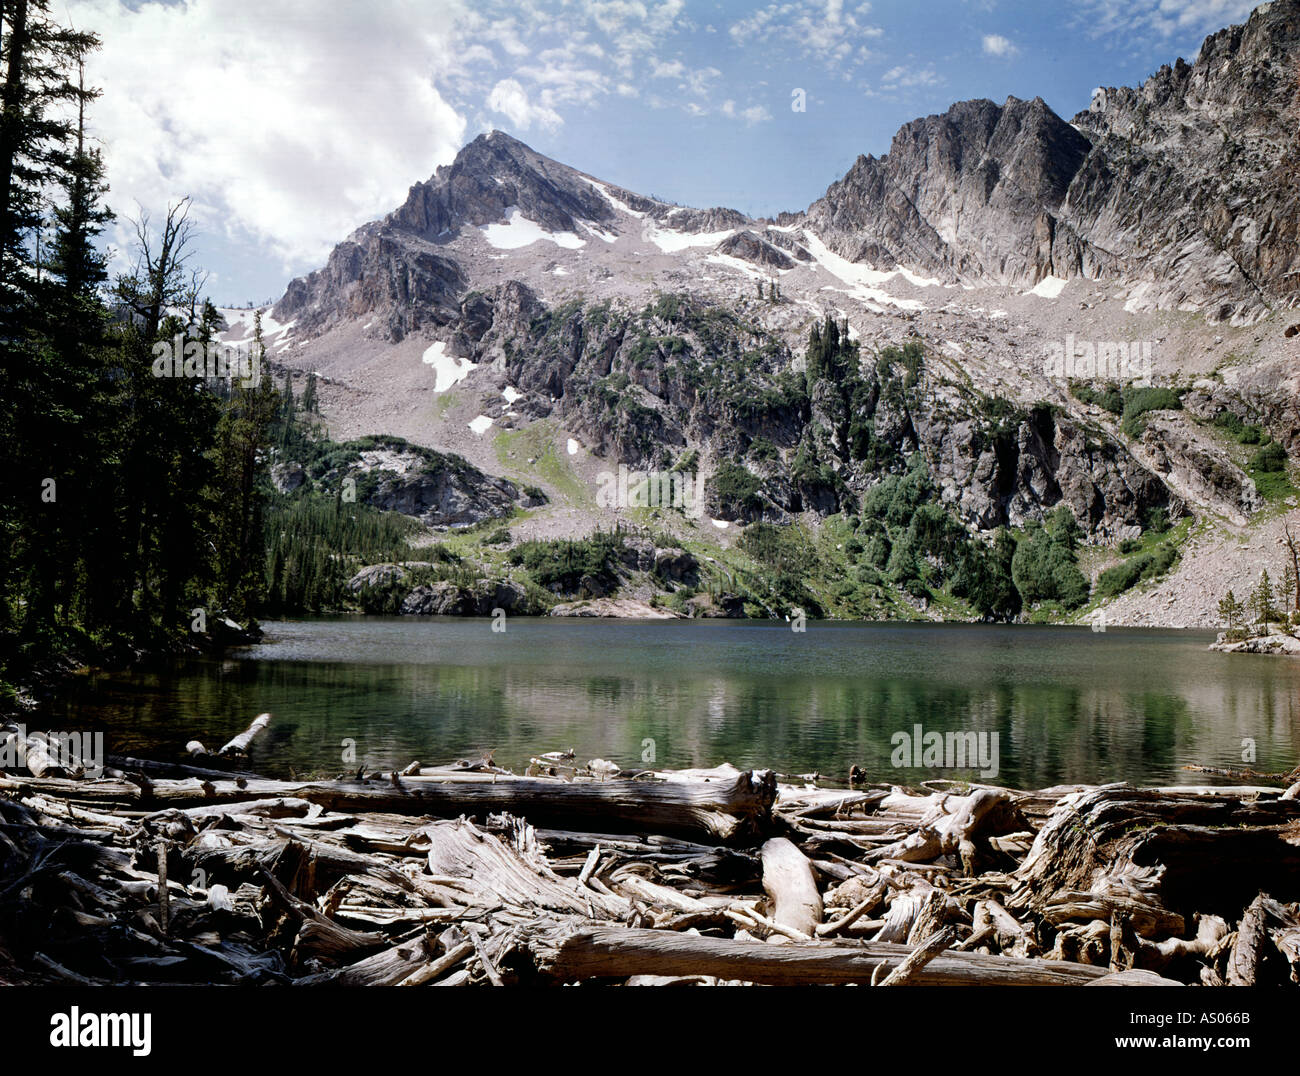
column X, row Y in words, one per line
column 287, row 476
column 1204, row 473
column 451, row 599
column 1179, row 192
column 449, row 493
column 492, row 174
column 751, row 247
column 440, row 489
column 376, row 575
column 1182, row 189
column 1007, row 473
column 972, row 194
column 1193, row 172
column 404, row 279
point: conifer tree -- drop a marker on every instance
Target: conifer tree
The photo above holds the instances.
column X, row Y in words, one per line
column 1231, row 611
column 1261, row 601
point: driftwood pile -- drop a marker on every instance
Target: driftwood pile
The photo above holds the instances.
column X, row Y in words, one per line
column 468, row 874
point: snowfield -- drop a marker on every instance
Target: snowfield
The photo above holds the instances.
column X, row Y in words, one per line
column 518, row 231
column 1050, row 287
column 670, row 241
column 447, row 369
column 863, row 281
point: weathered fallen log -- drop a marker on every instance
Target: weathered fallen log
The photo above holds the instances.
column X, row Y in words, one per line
column 492, row 873
column 910, row 969
column 239, row 745
column 383, row 969
column 1136, row 952
column 577, row 951
column 788, row 880
column 950, row 825
column 270, row 880
column 721, row 810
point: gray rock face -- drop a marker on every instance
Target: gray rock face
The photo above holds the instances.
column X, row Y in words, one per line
column 376, row 575
column 972, row 194
column 750, row 247
column 1182, row 188
column 676, row 566
column 1205, row 472
column 449, row 599
column 287, row 476
column 1043, row 461
column 493, row 173
column 1181, row 192
column 444, row 495
column 638, row 555
column 405, row 280
column 395, row 266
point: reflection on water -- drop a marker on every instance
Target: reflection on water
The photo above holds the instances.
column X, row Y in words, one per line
column 1068, row 704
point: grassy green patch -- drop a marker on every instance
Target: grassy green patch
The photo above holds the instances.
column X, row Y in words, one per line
column 514, row 448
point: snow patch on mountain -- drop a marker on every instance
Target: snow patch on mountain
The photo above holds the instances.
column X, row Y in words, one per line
column 622, row 207
column 448, row 370
column 864, row 281
column 671, row 241
column 518, row 231
column 1050, row 287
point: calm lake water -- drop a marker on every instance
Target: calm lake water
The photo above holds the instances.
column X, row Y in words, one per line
column 1067, row 704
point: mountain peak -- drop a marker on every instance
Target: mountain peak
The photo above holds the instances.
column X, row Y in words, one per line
column 491, row 174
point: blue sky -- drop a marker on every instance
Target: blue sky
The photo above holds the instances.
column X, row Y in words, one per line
column 290, row 122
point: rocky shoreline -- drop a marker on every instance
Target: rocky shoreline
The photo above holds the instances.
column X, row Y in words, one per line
column 1275, row 643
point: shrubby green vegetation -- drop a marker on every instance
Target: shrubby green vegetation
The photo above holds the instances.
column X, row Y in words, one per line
column 559, row 565
column 1245, row 433
column 316, row 542
column 1138, row 401
column 1267, row 465
column 736, row 491
column 1045, row 567
column 1130, row 402
column 921, row 547
column 1120, row 577
column 1108, row 397
column 790, row 560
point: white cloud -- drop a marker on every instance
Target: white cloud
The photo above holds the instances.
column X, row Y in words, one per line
column 510, row 99
column 1189, row 20
column 997, row 45
column 285, row 127
column 829, row 30
column 660, row 69
column 903, row 77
